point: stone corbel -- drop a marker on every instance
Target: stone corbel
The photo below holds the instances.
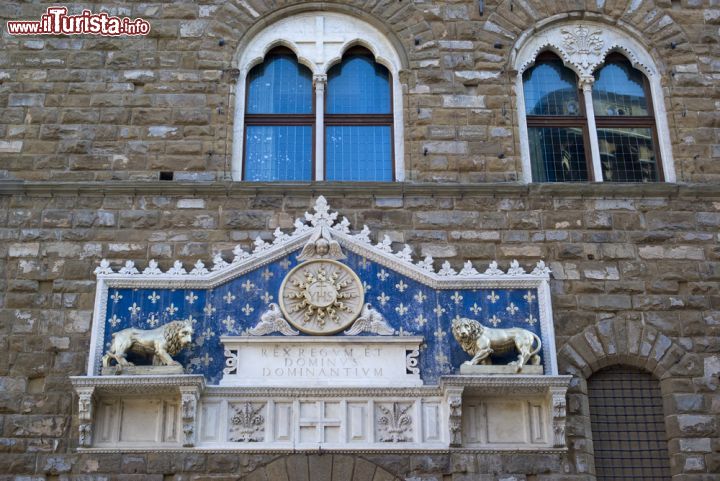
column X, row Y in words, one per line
column 453, row 398
column 189, row 396
column 558, row 405
column 86, row 403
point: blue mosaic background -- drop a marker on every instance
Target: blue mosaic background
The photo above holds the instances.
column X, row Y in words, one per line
column 407, row 305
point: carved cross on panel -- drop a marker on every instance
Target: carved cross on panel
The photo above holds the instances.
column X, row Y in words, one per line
column 318, row 38
column 322, row 420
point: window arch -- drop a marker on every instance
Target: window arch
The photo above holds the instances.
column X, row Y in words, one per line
column 626, row 128
column 358, row 128
column 619, row 106
column 628, row 425
column 556, row 122
column 279, row 120
column 341, row 53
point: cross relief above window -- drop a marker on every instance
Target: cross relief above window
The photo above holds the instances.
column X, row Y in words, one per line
column 318, row 99
column 590, row 108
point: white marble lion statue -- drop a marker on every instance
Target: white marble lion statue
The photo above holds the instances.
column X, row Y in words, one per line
column 162, row 343
column 480, row 341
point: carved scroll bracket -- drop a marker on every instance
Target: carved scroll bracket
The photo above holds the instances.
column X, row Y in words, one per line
column 453, row 397
column 189, row 396
column 559, row 411
column 86, row 403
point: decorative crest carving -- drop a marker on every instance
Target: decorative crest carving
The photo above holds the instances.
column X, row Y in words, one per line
column 394, row 423
column 582, row 43
column 370, row 321
column 247, row 424
column 271, row 321
column 321, row 297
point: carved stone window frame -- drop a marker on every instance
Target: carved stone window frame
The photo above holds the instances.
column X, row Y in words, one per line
column 319, row 40
column 584, row 54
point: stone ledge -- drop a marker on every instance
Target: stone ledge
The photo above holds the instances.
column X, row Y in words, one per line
column 574, row 190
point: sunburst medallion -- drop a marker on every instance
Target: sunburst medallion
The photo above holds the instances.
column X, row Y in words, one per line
column 321, row 297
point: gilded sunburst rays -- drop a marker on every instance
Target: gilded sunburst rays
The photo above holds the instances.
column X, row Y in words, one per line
column 321, row 296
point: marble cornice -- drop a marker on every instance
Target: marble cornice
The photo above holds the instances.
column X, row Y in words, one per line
column 509, row 189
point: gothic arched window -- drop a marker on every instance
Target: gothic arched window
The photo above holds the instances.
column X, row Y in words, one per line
column 318, row 98
column 590, row 107
column 556, row 122
column 628, row 425
column 279, row 120
column 358, row 120
column 625, row 123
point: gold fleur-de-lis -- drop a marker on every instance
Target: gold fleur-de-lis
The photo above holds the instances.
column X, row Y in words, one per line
column 229, row 297
column 134, row 309
column 191, row 298
column 401, row 309
column 266, row 274
column 421, row 320
column 512, row 309
column 475, row 308
column 382, row 275
column 171, row 309
column 285, row 263
column 420, row 297
column 529, row 297
column 267, row 297
column 531, row 320
column 439, row 334
column 401, row 286
column 247, row 309
column 247, row 285
column 229, row 323
column 492, row 297
column 153, row 297
column 209, row 309
column 367, row 286
column 494, row 320
column 153, row 320
column 456, row 297
column 364, row 264
column 114, row 320
column 116, row 297
column 382, row 299
column 439, row 310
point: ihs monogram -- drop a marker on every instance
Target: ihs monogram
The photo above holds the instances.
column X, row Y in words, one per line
column 321, row 296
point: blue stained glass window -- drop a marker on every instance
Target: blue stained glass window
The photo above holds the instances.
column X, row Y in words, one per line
column 618, row 90
column 551, row 89
column 358, row 85
column 278, row 152
column 280, row 85
column 358, row 153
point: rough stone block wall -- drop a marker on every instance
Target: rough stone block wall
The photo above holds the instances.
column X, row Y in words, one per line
column 85, row 120
column 635, row 280
column 93, row 108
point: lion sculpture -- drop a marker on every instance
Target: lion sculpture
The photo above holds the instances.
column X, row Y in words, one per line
column 480, row 341
column 161, row 343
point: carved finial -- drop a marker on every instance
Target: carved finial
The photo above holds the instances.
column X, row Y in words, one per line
column 218, row 262
column 239, row 253
column 128, row 268
column 322, row 214
column 515, row 269
column 152, row 268
column 468, row 269
column 177, row 269
column 447, row 270
column 493, row 270
column 199, row 268
column 104, row 268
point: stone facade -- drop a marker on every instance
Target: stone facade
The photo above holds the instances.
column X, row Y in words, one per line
column 88, row 123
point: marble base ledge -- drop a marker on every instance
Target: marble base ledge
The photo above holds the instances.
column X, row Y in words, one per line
column 482, row 369
column 497, row 412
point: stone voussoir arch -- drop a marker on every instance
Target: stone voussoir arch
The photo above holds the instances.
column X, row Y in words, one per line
column 327, row 466
column 619, row 341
